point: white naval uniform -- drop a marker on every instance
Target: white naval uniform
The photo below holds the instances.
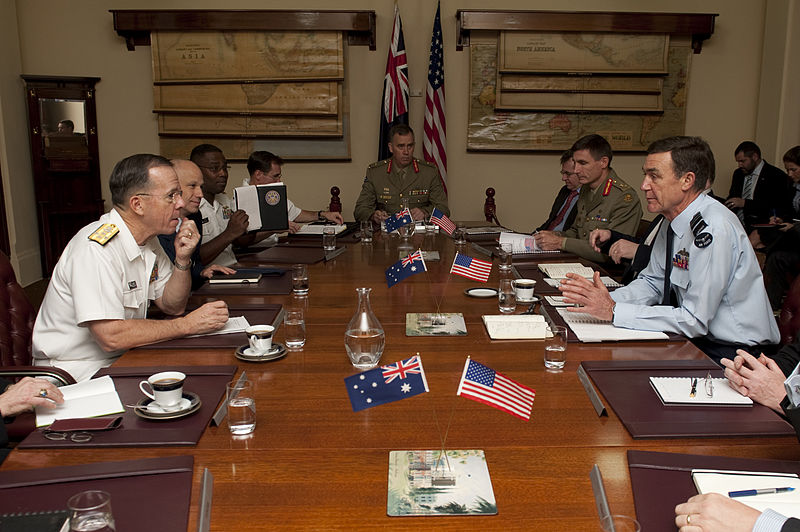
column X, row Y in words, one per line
column 215, row 221
column 720, row 290
column 96, row 282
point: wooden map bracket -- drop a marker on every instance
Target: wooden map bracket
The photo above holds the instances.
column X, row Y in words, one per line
column 135, row 25
column 699, row 25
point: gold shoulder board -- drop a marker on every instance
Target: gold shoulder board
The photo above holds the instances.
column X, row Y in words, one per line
column 104, row 234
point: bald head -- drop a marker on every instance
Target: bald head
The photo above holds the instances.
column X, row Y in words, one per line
column 191, row 179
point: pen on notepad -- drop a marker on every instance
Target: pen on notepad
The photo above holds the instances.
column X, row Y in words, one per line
column 764, row 491
column 693, row 391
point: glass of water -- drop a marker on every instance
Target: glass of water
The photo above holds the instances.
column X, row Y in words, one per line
column 294, row 328
column 241, row 407
column 366, row 231
column 460, row 234
column 555, row 348
column 328, row 238
column 507, row 298
column 505, row 254
column 300, row 279
column 91, row 510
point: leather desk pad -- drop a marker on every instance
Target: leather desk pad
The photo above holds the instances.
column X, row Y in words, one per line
column 662, row 480
column 148, row 494
column 266, row 313
column 206, row 381
column 626, row 387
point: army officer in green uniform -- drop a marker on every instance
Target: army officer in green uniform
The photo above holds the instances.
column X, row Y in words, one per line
column 605, row 202
column 391, row 181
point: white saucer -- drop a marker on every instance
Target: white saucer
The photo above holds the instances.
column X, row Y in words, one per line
column 534, row 299
column 155, row 408
column 272, row 350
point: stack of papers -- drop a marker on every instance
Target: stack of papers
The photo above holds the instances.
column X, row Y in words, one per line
column 605, row 279
column 516, row 327
column 522, row 244
column 235, row 324
column 722, row 482
column 92, row 398
column 559, row 270
column 316, row 229
column 590, row 329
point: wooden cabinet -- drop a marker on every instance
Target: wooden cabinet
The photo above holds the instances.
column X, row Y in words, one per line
column 62, row 125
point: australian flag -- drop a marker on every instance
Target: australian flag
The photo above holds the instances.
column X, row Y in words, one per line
column 387, row 384
column 398, row 220
column 394, row 104
column 405, row 268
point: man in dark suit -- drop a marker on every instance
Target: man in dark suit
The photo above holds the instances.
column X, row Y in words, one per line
column 758, row 191
column 563, row 212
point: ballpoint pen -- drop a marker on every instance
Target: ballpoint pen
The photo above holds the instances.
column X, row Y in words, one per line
column 763, row 491
column 694, row 388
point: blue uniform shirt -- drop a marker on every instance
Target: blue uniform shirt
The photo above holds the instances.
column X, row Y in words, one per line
column 719, row 287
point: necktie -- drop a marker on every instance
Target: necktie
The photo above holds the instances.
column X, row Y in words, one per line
column 563, row 211
column 749, row 185
column 668, row 298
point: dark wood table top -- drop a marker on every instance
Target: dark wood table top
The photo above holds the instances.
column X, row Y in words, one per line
column 313, row 464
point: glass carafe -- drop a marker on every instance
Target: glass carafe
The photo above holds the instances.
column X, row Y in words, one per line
column 364, row 338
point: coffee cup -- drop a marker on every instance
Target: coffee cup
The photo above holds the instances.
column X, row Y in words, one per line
column 524, row 289
column 166, row 388
column 260, row 338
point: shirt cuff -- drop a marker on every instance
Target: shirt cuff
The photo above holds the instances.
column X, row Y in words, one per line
column 769, row 521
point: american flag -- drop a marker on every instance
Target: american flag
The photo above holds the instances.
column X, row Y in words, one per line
column 483, row 384
column 399, row 370
column 439, row 218
column 476, row 269
column 434, row 146
column 394, row 108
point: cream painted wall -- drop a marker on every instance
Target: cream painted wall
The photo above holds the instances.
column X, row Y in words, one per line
column 76, row 38
column 15, row 162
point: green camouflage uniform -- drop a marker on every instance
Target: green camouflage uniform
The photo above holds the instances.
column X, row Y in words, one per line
column 384, row 187
column 614, row 205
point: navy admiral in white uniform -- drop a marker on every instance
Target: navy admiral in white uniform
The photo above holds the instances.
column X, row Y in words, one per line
column 95, row 307
column 710, row 289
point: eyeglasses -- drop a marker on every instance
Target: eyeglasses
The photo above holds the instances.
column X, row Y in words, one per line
column 172, row 197
column 215, row 169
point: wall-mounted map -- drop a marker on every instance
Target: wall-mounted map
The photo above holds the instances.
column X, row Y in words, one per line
column 547, row 111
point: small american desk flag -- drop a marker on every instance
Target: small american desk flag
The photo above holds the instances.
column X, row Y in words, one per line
column 439, row 218
column 483, row 384
column 476, row 269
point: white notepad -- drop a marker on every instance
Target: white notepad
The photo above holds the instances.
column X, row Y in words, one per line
column 721, row 481
column 316, row 229
column 675, row 391
column 590, row 329
column 92, row 398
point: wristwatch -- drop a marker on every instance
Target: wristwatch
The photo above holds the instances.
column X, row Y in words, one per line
column 183, row 268
column 320, row 217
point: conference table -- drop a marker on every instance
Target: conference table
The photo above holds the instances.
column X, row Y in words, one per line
column 314, row 464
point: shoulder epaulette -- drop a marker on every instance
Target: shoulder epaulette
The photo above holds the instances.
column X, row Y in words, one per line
column 104, row 234
column 379, row 163
column 426, row 163
column 622, row 185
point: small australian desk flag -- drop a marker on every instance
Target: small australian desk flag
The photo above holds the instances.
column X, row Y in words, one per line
column 387, row 384
column 405, row 268
column 398, row 220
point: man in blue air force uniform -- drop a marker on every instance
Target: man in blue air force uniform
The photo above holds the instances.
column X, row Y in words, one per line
column 710, row 289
